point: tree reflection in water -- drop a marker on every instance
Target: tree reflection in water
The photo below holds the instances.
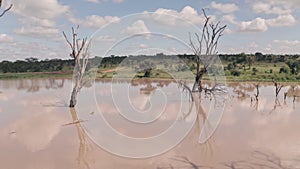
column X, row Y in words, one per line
column 257, row 160
column 84, row 159
column 244, row 91
column 33, row 85
column 201, row 120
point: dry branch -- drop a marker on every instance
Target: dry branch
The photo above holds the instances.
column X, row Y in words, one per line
column 205, row 48
column 80, row 54
column 278, row 87
column 6, row 10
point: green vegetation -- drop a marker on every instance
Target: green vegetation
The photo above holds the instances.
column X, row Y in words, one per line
column 259, row 67
column 36, row 75
column 237, row 67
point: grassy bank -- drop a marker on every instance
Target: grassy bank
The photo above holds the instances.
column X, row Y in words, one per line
column 36, row 75
column 261, row 72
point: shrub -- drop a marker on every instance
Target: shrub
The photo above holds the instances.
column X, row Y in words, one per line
column 235, row 73
column 254, row 70
column 283, row 70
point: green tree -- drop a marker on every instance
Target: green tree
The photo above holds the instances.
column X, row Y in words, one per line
column 283, row 70
column 259, row 56
column 254, row 71
column 250, row 61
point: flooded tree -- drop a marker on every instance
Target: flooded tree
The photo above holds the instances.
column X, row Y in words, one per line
column 278, row 88
column 80, row 54
column 257, row 92
column 5, row 10
column 205, row 48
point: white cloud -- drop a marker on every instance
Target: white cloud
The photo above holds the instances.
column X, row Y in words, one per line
column 277, row 6
column 137, row 27
column 106, row 38
column 173, row 50
column 98, row 1
column 188, row 13
column 253, row 45
column 118, row 1
column 229, row 18
column 287, row 42
column 46, row 9
column 282, row 20
column 38, row 18
column 224, row 8
column 285, row 18
column 37, row 31
column 249, row 48
column 93, row 1
column 261, row 25
column 256, row 25
column 281, row 47
column 268, row 8
column 143, row 46
column 290, row 3
column 4, row 38
column 192, row 15
column 94, row 21
column 21, row 50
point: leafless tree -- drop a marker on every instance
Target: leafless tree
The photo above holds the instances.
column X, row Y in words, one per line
column 205, row 48
column 80, row 54
column 257, row 92
column 254, row 101
column 278, row 87
column 7, row 9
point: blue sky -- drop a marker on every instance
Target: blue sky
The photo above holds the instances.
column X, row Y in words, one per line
column 33, row 28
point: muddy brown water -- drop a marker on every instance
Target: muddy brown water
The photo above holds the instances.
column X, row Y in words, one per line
column 38, row 130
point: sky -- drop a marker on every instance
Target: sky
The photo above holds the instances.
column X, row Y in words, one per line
column 33, row 28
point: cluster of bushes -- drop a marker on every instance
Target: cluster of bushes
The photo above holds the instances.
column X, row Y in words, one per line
column 33, row 65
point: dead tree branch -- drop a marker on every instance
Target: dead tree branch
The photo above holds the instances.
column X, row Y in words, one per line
column 80, row 54
column 278, row 87
column 6, row 10
column 187, row 89
column 205, row 48
column 257, row 92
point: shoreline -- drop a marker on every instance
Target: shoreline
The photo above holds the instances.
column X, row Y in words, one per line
column 68, row 75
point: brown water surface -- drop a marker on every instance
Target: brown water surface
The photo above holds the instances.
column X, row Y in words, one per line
column 39, row 131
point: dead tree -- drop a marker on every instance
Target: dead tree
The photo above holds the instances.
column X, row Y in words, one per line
column 278, row 88
column 257, row 92
column 205, row 48
column 80, row 55
column 6, row 10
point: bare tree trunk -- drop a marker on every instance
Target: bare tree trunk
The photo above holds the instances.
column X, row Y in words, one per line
column 257, row 92
column 205, row 48
column 73, row 99
column 77, row 86
column 80, row 54
column 198, row 81
column 278, row 88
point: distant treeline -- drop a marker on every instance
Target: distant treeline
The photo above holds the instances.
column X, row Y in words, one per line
column 34, row 65
column 230, row 60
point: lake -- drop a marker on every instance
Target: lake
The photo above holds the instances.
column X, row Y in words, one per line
column 38, row 130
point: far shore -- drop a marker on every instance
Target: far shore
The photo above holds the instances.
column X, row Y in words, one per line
column 69, row 75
